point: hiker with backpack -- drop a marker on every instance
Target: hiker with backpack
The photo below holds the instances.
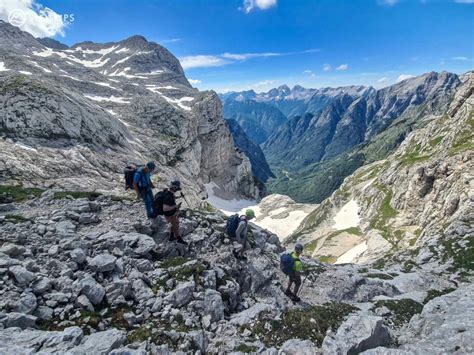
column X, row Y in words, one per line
column 237, row 228
column 144, row 187
column 292, row 266
column 171, row 210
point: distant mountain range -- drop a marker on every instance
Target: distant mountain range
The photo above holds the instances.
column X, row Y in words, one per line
column 314, row 138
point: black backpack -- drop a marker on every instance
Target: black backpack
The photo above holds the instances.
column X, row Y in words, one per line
column 129, row 173
column 158, row 203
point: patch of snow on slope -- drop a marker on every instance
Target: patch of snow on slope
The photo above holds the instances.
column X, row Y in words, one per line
column 25, row 72
column 220, row 200
column 128, row 76
column 351, row 254
column 282, row 227
column 122, row 50
column 2, row 67
column 179, row 102
column 347, row 217
column 20, row 145
column 39, row 66
column 120, row 100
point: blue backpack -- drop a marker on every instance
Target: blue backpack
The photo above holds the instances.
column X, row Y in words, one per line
column 232, row 225
column 286, row 263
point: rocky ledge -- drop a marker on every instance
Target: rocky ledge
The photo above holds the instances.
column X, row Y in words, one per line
column 81, row 273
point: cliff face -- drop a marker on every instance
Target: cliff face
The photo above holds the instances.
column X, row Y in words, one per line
column 415, row 205
column 74, row 117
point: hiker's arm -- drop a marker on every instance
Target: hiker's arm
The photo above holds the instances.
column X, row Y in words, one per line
column 135, row 187
column 168, row 208
column 240, row 229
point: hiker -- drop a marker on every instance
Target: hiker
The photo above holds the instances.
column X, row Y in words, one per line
column 144, row 187
column 294, row 276
column 171, row 211
column 241, row 233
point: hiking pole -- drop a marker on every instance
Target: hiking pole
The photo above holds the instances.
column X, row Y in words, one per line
column 182, row 195
column 302, row 284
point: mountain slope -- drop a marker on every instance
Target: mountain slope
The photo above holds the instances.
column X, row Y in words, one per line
column 260, row 166
column 416, row 205
column 75, row 117
column 353, row 130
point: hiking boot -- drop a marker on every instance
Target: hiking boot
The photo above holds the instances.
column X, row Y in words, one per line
column 235, row 254
column 289, row 293
column 296, row 298
column 181, row 241
column 172, row 237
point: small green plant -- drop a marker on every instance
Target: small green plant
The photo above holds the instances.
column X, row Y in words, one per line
column 432, row 294
column 18, row 193
column 380, row 276
column 402, row 310
column 247, row 349
column 138, row 335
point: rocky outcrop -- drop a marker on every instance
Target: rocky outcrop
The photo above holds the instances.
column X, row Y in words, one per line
column 118, row 285
column 75, row 117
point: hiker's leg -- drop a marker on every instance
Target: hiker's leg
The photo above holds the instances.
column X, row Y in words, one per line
column 290, row 282
column 297, row 280
column 148, row 200
column 174, row 222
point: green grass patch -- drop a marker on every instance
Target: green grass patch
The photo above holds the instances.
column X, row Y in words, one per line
column 385, row 212
column 380, row 276
column 310, row 323
column 327, row 259
column 402, row 310
column 436, row 141
column 138, row 335
column 246, row 349
column 173, row 262
column 461, row 256
column 90, row 195
column 432, row 294
column 11, row 193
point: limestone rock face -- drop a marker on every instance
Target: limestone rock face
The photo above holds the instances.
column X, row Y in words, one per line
column 114, row 290
column 75, row 117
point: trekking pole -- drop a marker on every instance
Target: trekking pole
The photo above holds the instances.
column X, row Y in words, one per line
column 182, row 195
column 302, row 284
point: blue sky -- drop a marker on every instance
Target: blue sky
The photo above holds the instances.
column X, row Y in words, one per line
column 237, row 45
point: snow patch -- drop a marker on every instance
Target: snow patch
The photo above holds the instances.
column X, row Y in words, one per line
column 25, row 72
column 120, row 100
column 347, row 216
column 22, row 146
column 353, row 253
column 179, row 102
column 217, row 198
column 122, row 50
column 39, row 66
column 2, row 67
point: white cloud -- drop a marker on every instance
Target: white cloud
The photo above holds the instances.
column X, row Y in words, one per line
column 343, row 67
column 32, row 17
column 460, row 58
column 404, row 77
column 464, row 1
column 246, row 56
column 382, row 80
column 202, row 61
column 194, row 81
column 171, row 40
column 250, row 5
column 327, row 67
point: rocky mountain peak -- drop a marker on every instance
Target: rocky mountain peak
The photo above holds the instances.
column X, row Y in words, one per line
column 52, row 43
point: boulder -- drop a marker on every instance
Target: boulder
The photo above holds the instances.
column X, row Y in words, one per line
column 26, row 304
column 299, row 347
column 100, row 342
column 20, row 320
column 181, row 295
column 94, row 291
column 358, row 333
column 103, row 262
column 250, row 314
column 78, row 255
column 41, row 285
column 22, row 276
column 12, row 249
column 16, row 341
